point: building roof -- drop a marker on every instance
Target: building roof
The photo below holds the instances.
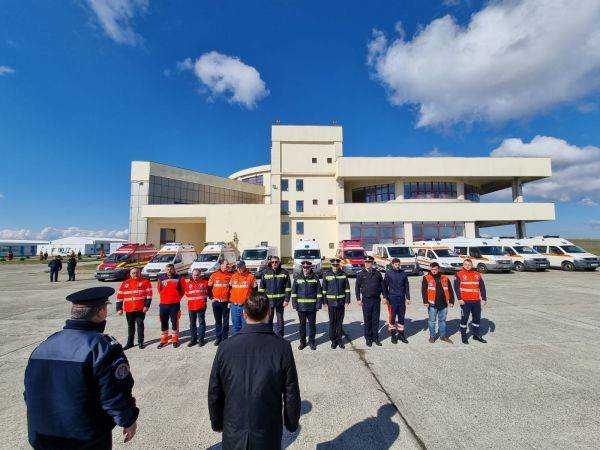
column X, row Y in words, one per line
column 84, row 240
column 22, row 242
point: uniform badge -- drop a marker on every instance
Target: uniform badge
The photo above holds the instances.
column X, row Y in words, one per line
column 122, row 371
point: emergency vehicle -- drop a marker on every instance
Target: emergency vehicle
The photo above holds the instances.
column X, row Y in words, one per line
column 209, row 259
column 384, row 253
column 433, row 251
column 523, row 256
column 117, row 265
column 257, row 258
column 307, row 250
column 351, row 255
column 487, row 255
column 180, row 255
column 563, row 254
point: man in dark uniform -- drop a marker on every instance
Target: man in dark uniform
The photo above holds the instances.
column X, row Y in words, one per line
column 55, row 267
column 398, row 296
column 71, row 264
column 369, row 288
column 307, row 299
column 78, row 383
column 276, row 284
column 336, row 295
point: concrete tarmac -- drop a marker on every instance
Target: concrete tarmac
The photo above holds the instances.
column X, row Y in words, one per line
column 534, row 385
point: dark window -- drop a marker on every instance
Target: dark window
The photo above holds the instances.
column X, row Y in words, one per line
column 330, row 201
column 373, row 233
column 299, row 185
column 285, row 207
column 471, row 193
column 460, row 250
column 299, row 205
column 285, row 228
column 167, row 235
column 299, row 227
column 428, row 189
column 314, row 160
column 540, row 248
column 315, row 201
column 256, row 179
column 331, row 245
column 329, row 160
column 426, row 231
column 554, row 250
column 374, row 194
column 284, row 185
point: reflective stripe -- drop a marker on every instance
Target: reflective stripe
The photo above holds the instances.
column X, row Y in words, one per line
column 475, row 324
column 299, row 281
column 288, row 289
column 347, row 290
column 307, row 300
column 468, row 290
column 324, row 292
column 294, row 295
column 311, row 281
column 336, row 296
column 463, row 326
column 281, row 275
column 275, row 295
column 329, row 278
column 268, row 277
column 261, row 290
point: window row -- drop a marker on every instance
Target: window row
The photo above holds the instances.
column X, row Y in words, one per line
column 374, row 194
column 329, row 160
column 371, row 233
column 255, row 179
column 425, row 231
column 285, row 184
column 285, row 205
column 428, row 189
column 285, row 228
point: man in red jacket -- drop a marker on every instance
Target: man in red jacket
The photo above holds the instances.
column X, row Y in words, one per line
column 134, row 297
column 196, row 291
column 170, row 288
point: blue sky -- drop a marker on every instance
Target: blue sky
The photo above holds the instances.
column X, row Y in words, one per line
column 87, row 86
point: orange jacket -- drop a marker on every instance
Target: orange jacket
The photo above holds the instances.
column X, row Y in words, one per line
column 241, row 285
column 218, row 285
column 196, row 293
column 170, row 289
column 468, row 285
column 134, row 295
column 431, row 288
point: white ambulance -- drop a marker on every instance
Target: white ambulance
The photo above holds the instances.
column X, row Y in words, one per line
column 384, row 253
column 523, row 256
column 180, row 255
column 563, row 254
column 433, row 251
column 487, row 255
column 257, row 258
column 307, row 250
column 209, row 259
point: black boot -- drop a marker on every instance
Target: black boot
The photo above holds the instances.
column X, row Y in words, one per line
column 394, row 337
column 341, row 344
column 369, row 343
column 402, row 337
column 334, row 344
column 193, row 342
column 378, row 342
column 465, row 339
column 217, row 342
column 302, row 346
column 312, row 345
column 128, row 345
column 201, row 343
column 141, row 346
column 162, row 344
column 479, row 339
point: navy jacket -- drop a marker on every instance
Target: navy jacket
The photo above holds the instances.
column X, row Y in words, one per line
column 77, row 386
column 369, row 285
column 55, row 265
column 306, row 293
column 396, row 285
column 336, row 288
column 277, row 286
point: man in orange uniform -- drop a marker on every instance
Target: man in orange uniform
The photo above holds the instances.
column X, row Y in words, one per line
column 134, row 297
column 218, row 291
column 470, row 291
column 241, row 286
column 196, row 291
column 170, row 288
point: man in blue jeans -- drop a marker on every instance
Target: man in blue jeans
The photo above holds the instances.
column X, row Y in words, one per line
column 437, row 293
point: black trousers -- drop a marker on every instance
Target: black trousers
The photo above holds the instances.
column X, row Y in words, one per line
column 71, row 273
column 172, row 312
column 134, row 319
column 221, row 312
column 43, row 442
column 473, row 308
column 311, row 317
column 197, row 323
column 336, row 320
column 277, row 308
column 371, row 310
column 53, row 275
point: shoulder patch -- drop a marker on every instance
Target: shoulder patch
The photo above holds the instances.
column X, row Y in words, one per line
column 122, row 371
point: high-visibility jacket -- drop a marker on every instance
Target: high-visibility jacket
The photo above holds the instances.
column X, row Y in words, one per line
column 276, row 285
column 336, row 288
column 218, row 286
column 134, row 294
column 196, row 293
column 170, row 289
column 306, row 293
column 469, row 286
column 241, row 286
column 432, row 290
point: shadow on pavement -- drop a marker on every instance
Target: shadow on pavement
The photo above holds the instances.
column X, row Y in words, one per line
column 485, row 326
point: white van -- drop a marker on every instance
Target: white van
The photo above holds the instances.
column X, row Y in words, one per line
column 180, row 255
column 210, row 258
column 384, row 253
column 431, row 251
column 486, row 254
column 523, row 256
column 307, row 250
column 257, row 258
column 563, row 254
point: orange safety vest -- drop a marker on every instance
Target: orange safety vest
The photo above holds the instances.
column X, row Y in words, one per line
column 469, row 285
column 196, row 293
column 241, row 287
column 220, row 285
column 133, row 293
column 431, row 288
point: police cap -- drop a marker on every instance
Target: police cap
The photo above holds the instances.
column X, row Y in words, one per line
column 334, row 261
column 95, row 296
column 369, row 258
column 306, row 263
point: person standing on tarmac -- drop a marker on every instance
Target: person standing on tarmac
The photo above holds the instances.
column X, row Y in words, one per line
column 307, row 299
column 78, row 382
column 196, row 291
column 437, row 294
column 470, row 291
column 241, row 286
column 134, row 297
column 71, row 264
column 398, row 296
column 369, row 288
column 336, row 295
column 275, row 283
column 218, row 291
column 171, row 289
column 55, row 265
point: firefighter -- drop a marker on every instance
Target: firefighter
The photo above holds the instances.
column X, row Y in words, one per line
column 470, row 291
column 71, row 264
column 276, row 284
column 134, row 298
column 218, row 292
column 398, row 296
column 437, row 294
column 171, row 289
column 307, row 300
column 336, row 295
column 55, row 265
column 369, row 288
column 241, row 286
column 196, row 291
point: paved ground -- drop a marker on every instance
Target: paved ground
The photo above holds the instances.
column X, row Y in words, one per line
column 534, row 385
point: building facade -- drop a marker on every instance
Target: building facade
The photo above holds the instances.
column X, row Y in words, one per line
column 310, row 190
column 20, row 247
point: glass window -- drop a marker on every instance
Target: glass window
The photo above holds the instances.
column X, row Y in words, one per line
column 299, row 185
column 284, row 185
column 426, row 189
column 426, row 231
column 471, row 193
column 167, row 235
column 374, row 233
column 256, row 179
column 330, row 201
column 430, row 255
column 285, row 207
column 572, row 249
column 540, row 248
column 555, row 250
column 524, row 250
column 374, row 194
column 314, row 160
column 299, row 205
column 460, row 250
column 315, row 201
column 329, row 160
column 285, row 228
column 299, row 227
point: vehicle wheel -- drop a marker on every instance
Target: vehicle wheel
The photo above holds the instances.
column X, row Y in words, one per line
column 519, row 267
column 568, row 266
column 482, row 268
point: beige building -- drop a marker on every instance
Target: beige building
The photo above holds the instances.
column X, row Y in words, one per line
column 311, row 191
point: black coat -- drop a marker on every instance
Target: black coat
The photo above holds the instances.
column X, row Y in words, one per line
column 71, row 263
column 277, row 286
column 55, row 265
column 254, row 379
column 369, row 285
column 336, row 288
column 306, row 293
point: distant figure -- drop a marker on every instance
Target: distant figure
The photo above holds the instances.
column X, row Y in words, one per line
column 79, row 255
column 71, row 264
column 102, row 254
column 41, row 255
column 248, row 409
column 45, row 256
column 55, row 266
column 10, row 255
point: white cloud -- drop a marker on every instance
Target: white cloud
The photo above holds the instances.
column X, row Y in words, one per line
column 586, row 201
column 436, row 153
column 227, row 76
column 50, row 233
column 515, row 58
column 574, row 169
column 6, row 70
column 116, row 18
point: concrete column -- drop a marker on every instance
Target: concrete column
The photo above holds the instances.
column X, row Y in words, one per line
column 339, row 192
column 399, row 188
column 520, row 230
column 275, row 173
column 408, row 233
column 470, row 230
column 460, row 190
column 517, row 191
